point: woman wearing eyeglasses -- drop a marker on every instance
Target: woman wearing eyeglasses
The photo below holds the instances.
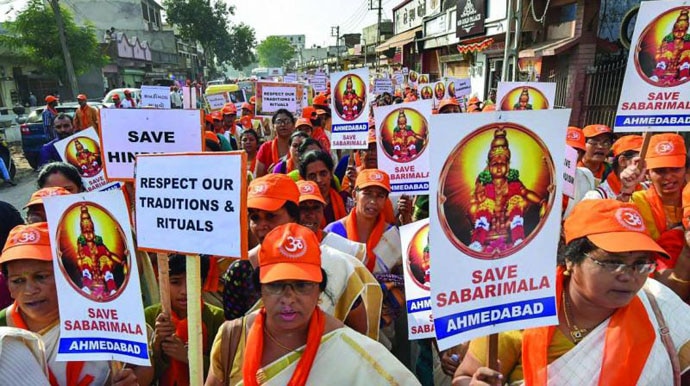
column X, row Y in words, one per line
column 609, row 312
column 290, row 340
column 271, row 152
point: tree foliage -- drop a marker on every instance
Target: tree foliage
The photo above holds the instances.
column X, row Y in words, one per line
column 33, row 37
column 208, row 24
column 275, row 51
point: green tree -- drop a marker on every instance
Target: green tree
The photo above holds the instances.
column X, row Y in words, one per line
column 33, row 38
column 208, row 24
column 275, row 51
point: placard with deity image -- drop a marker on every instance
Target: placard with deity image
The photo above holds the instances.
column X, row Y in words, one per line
column 415, row 246
column 426, row 91
column 525, row 96
column 350, row 109
column 656, row 95
column 97, row 278
column 402, row 133
column 439, row 92
column 83, row 151
column 495, row 220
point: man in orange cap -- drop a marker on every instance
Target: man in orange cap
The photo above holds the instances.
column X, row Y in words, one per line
column 624, row 150
column 449, row 106
column 117, row 103
column 598, row 141
column 229, row 129
column 129, row 102
column 661, row 205
column 247, row 110
column 49, row 114
column 85, row 116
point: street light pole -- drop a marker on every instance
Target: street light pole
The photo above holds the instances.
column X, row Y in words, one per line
column 71, row 76
column 337, row 45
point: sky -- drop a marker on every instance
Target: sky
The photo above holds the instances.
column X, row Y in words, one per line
column 312, row 18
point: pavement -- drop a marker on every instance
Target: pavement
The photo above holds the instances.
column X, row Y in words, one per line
column 25, row 179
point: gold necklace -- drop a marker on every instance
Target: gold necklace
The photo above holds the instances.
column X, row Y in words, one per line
column 274, row 340
column 576, row 333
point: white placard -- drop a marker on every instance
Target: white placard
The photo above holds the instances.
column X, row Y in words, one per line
column 521, row 96
column 126, row 133
column 382, row 85
column 350, row 106
column 191, row 203
column 189, row 98
column 402, row 134
column 155, row 96
column 274, row 96
column 319, row 82
column 495, row 220
column 398, row 78
column 83, row 151
column 97, row 279
column 217, row 101
column 290, row 78
column 569, row 170
column 416, row 252
column 458, row 87
column 656, row 94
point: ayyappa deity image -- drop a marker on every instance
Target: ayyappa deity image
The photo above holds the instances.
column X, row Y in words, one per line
column 418, row 258
column 407, row 138
column 426, row 92
column 423, row 78
column 523, row 101
column 663, row 50
column 350, row 97
column 96, row 265
column 85, row 154
column 496, row 213
column 439, row 90
column 524, row 98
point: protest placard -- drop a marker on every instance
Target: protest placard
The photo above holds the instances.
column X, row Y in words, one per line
column 525, row 96
column 290, row 78
column 319, row 82
column 398, row 78
column 83, row 151
column 217, row 101
column 190, row 203
column 495, row 220
column 415, row 247
column 97, row 279
column 189, row 98
column 570, row 166
column 272, row 96
column 402, row 137
column 413, row 78
column 155, row 96
column 655, row 95
column 439, row 92
column 426, row 91
column 351, row 109
column 382, row 85
column 405, row 71
column 458, row 87
column 128, row 132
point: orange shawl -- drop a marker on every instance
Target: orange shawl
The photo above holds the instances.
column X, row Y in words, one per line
column 672, row 240
column 255, row 348
column 372, row 241
column 338, row 207
column 74, row 368
column 629, row 339
column 178, row 372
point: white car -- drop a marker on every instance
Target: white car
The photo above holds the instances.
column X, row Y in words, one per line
column 108, row 99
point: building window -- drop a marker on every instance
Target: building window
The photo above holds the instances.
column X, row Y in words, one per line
column 145, row 11
column 568, row 12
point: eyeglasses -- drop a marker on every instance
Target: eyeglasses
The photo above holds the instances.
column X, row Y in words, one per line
column 618, row 268
column 604, row 143
column 299, row 287
column 280, row 122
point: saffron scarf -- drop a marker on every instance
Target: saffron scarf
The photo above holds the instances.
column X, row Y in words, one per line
column 74, row 368
column 338, row 207
column 672, row 240
column 629, row 339
column 178, row 372
column 255, row 347
column 372, row 241
column 84, row 118
column 275, row 155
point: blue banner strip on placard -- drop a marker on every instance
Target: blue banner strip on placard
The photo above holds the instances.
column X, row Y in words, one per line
column 652, row 120
column 350, row 128
column 419, row 305
column 450, row 325
column 103, row 345
column 410, row 187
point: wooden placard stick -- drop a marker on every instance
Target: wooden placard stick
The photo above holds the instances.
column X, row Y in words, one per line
column 194, row 331
column 164, row 281
column 492, row 353
column 646, row 137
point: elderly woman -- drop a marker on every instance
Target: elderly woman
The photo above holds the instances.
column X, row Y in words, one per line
column 290, row 340
column 27, row 263
column 609, row 312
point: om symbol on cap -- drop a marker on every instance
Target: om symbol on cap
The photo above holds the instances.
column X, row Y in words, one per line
column 293, row 247
column 664, row 147
column 306, row 189
column 630, row 219
column 376, row 177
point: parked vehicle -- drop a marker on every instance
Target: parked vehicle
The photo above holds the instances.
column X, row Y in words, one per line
column 108, row 99
column 33, row 135
column 235, row 93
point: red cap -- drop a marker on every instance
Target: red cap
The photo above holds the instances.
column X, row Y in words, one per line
column 248, row 106
column 594, row 130
column 666, row 151
column 229, row 109
column 127, row 92
column 252, row 100
column 309, row 112
column 116, row 97
column 309, row 190
column 271, row 192
column 37, row 196
column 82, row 97
column 50, row 99
column 626, row 143
column 320, row 100
column 611, row 225
column 373, row 177
column 303, row 122
column 575, row 138
column 290, row 252
column 27, row 242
